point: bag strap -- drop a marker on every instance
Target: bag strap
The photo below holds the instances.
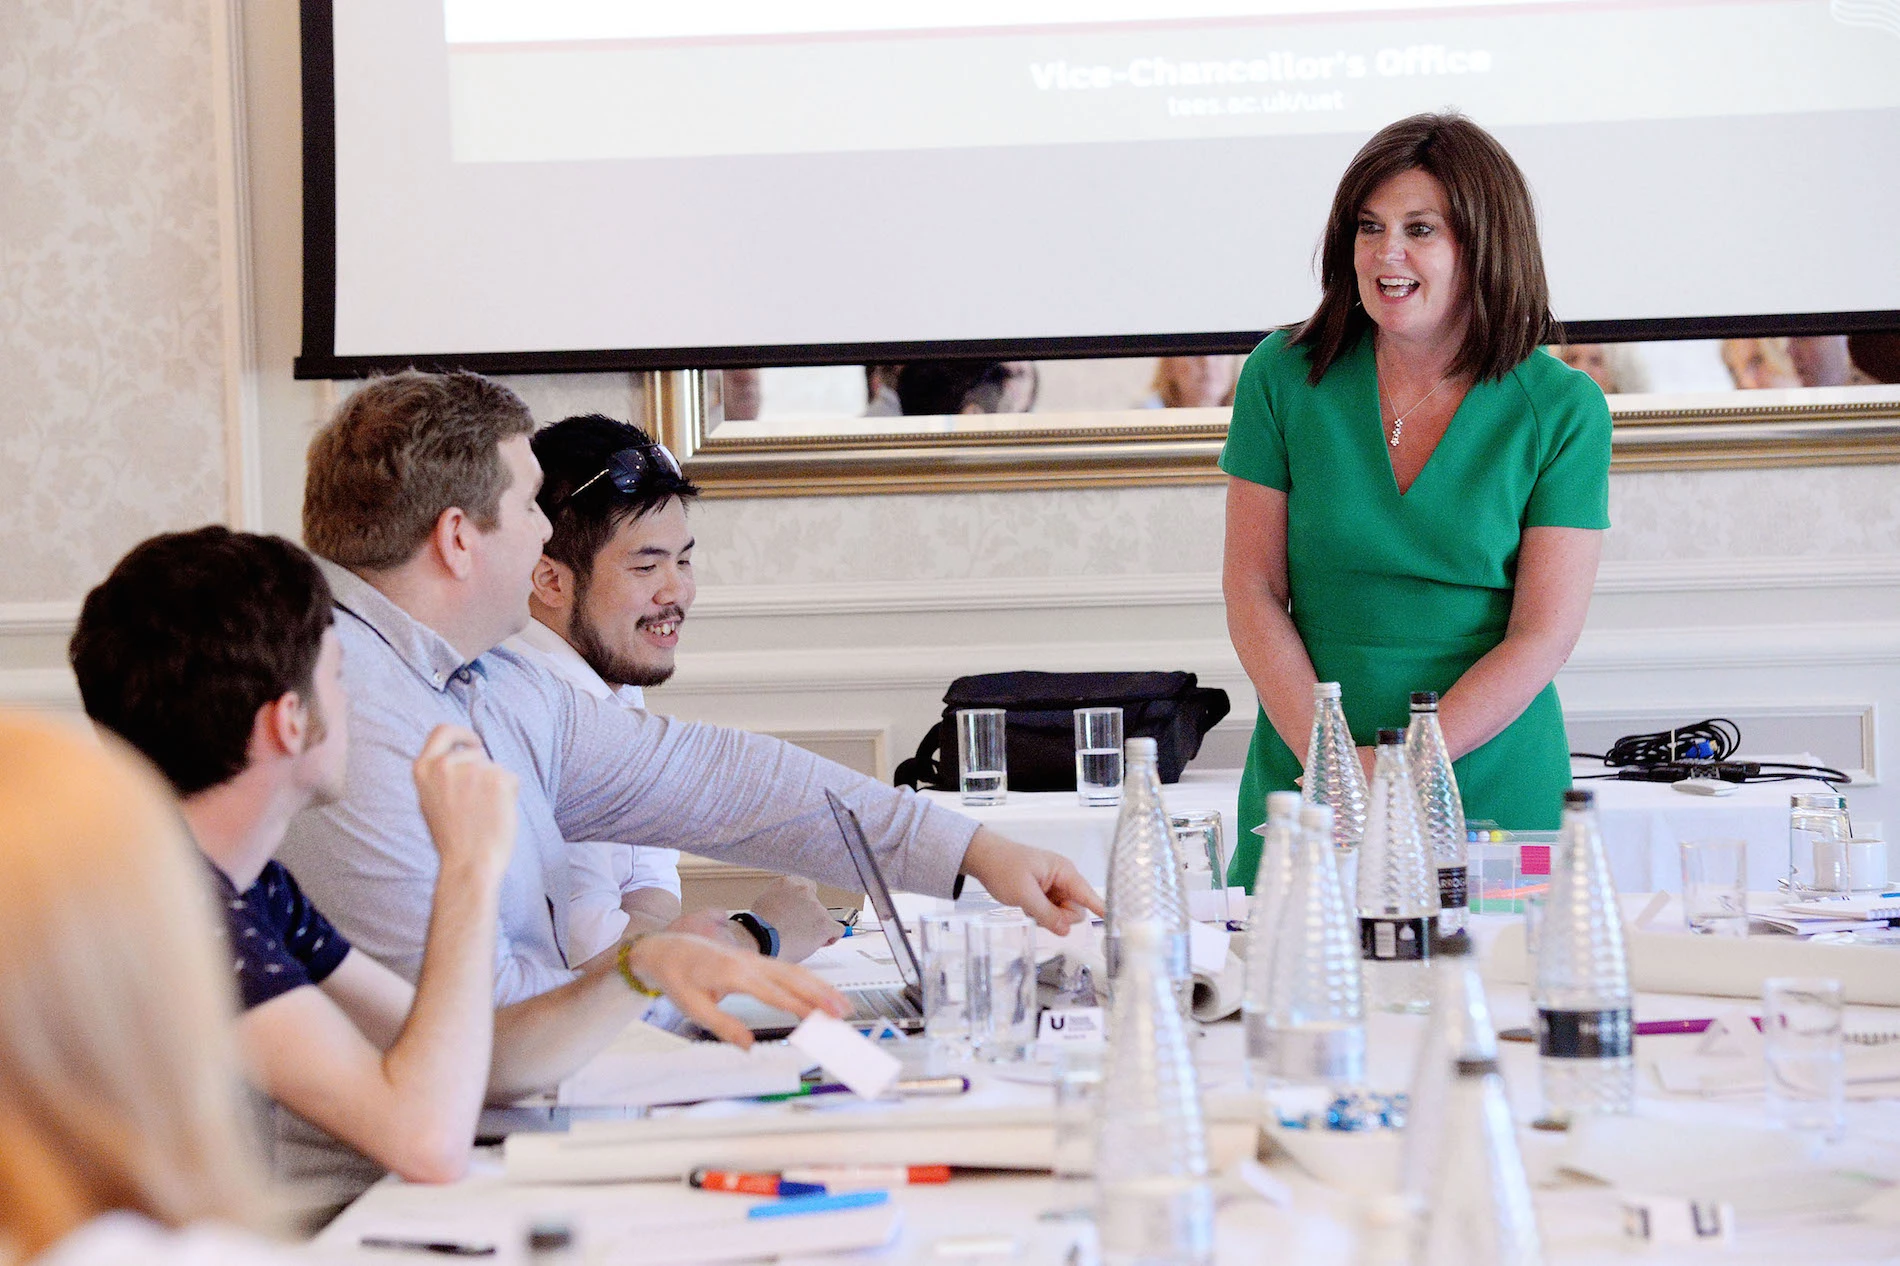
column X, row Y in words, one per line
column 920, row 771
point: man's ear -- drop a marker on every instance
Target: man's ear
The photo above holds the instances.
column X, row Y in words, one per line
column 553, row 584
column 280, row 728
column 453, row 540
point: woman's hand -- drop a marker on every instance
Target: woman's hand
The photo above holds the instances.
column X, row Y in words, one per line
column 696, row 973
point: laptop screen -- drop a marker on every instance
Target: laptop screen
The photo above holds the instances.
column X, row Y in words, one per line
column 872, row 877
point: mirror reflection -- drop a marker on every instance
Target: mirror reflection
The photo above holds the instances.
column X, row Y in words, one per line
column 973, row 396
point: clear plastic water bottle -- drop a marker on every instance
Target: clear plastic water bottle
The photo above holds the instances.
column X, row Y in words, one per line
column 1153, row 1202
column 1279, row 841
column 1460, row 1028
column 1308, row 1026
column 1582, row 991
column 1398, row 889
column 1441, row 811
column 1333, row 775
column 1144, row 875
column 1479, row 1212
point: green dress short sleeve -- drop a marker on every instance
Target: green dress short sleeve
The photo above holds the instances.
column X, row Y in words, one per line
column 1394, row 592
column 1573, row 488
column 1255, row 448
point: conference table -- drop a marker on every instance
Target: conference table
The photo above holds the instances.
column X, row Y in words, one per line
column 1642, row 823
column 1277, row 1210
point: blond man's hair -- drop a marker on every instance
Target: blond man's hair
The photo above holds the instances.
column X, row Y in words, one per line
column 119, row 1084
column 399, row 452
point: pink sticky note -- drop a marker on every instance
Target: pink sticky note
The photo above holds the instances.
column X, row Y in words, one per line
column 1533, row 859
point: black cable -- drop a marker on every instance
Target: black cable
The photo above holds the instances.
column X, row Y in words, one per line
column 1699, row 749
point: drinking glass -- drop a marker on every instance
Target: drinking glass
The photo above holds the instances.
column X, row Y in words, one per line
column 1533, row 929
column 946, row 951
column 1715, row 887
column 1078, row 1084
column 1098, row 756
column 982, row 769
column 1818, row 828
column 1001, row 971
column 1202, row 848
column 1803, row 1044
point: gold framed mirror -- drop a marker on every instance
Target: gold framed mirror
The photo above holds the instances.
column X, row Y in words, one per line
column 832, row 438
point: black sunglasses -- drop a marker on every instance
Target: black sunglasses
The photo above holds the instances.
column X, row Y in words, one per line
column 630, row 466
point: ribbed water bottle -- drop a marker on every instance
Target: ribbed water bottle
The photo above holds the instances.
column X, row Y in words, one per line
column 1441, row 811
column 1462, row 1166
column 1153, row 1202
column 1398, row 889
column 1582, row 991
column 1144, row 877
column 1333, row 775
column 1460, row 1028
column 1279, row 840
column 1308, row 1026
column 1479, row 1212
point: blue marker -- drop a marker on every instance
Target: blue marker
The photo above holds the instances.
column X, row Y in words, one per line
column 818, row 1204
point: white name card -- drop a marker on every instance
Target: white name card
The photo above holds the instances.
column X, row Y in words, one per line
column 1072, row 1024
column 846, row 1054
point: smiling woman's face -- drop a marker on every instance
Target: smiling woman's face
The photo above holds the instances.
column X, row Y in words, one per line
column 1409, row 265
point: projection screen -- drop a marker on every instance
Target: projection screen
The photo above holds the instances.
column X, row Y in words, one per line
column 578, row 184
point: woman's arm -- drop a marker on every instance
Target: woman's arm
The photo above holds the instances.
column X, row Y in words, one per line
column 1556, row 571
column 1253, row 578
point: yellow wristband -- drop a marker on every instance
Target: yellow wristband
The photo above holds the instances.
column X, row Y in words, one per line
column 624, row 960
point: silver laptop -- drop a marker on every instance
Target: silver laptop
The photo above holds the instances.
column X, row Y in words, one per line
column 901, row 1008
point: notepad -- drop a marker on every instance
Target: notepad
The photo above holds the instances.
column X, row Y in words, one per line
column 1873, row 905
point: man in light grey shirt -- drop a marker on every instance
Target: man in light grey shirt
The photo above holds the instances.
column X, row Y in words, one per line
column 421, row 494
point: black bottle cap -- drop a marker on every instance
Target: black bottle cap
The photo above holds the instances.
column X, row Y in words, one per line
column 1424, row 698
column 1579, row 799
column 1389, row 737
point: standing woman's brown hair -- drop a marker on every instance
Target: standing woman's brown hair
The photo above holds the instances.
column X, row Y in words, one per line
column 1492, row 220
column 119, row 1081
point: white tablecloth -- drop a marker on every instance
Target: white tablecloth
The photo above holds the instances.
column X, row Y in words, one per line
column 1642, row 824
column 1581, row 1222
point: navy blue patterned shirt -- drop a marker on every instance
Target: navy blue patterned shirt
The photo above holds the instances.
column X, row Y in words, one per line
column 279, row 941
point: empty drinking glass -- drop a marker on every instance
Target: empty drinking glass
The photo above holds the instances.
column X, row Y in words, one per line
column 1098, row 756
column 1001, row 972
column 946, row 985
column 982, row 768
column 1715, row 887
column 1802, row 1042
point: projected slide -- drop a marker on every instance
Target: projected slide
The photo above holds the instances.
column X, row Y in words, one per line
column 589, row 79
column 593, row 183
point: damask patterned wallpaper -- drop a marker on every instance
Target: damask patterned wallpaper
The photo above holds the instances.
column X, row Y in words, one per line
column 110, row 373
column 1796, row 513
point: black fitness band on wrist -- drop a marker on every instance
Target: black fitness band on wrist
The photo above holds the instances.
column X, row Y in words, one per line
column 762, row 932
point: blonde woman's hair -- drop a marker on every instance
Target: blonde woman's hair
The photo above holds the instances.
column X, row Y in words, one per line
column 119, row 1082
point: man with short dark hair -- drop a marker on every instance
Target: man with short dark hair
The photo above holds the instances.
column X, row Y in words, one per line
column 612, row 591
column 423, row 642
column 216, row 655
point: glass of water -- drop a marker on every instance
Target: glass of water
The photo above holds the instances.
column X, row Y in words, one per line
column 1078, row 1083
column 1001, row 976
column 946, row 956
column 982, row 768
column 1715, row 887
column 1803, row 1043
column 1098, row 756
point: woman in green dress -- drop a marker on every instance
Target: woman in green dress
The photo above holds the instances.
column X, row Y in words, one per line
column 1417, row 492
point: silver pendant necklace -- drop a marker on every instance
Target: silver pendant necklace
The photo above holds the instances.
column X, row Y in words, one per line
column 1398, row 419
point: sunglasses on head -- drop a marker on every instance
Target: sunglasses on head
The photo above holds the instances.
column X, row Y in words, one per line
column 630, row 466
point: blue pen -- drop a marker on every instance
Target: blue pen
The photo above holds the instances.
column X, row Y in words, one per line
column 817, row 1204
